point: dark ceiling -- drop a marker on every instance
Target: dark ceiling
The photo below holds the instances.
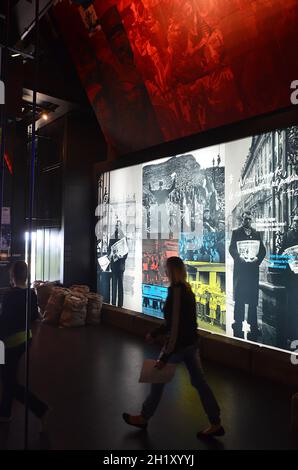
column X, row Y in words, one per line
column 57, row 76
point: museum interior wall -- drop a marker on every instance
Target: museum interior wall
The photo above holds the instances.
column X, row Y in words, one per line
column 166, row 121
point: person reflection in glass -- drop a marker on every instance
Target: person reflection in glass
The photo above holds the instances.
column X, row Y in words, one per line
column 117, row 265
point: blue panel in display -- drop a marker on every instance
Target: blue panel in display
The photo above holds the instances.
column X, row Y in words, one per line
column 154, row 298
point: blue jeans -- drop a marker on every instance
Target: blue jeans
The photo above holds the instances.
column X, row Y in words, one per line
column 191, row 358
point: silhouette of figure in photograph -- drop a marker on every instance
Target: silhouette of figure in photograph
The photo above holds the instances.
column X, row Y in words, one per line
column 117, row 266
column 246, row 278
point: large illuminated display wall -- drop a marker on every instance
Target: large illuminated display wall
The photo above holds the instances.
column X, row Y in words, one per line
column 231, row 213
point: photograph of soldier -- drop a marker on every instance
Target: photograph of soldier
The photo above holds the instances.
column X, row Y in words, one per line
column 246, row 277
column 117, row 265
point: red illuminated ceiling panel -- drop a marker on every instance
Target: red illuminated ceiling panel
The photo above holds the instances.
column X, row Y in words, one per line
column 157, row 70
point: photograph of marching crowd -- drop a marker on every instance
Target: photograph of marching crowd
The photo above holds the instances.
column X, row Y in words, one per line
column 193, row 203
column 190, row 211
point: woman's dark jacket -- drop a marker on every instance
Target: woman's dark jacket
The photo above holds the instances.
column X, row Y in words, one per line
column 180, row 325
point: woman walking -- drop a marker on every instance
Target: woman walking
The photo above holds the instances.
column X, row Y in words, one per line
column 181, row 346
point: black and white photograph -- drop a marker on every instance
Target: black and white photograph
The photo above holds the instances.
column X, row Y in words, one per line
column 184, row 194
column 119, row 237
column 262, row 238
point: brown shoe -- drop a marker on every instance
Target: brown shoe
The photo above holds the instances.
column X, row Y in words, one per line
column 212, row 431
column 137, row 421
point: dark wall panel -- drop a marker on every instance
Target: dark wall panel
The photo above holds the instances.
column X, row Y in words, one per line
column 84, row 145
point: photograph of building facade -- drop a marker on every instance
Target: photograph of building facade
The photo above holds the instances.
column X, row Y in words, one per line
column 268, row 188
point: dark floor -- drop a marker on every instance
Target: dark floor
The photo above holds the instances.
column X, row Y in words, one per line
column 90, row 376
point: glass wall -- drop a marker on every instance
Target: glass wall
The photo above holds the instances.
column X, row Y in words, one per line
column 231, row 213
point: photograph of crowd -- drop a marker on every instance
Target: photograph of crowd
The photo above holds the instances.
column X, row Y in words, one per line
column 190, row 210
column 155, row 254
column 209, row 248
column 193, row 203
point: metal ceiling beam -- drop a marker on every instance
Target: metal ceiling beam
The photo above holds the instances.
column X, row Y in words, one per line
column 25, row 15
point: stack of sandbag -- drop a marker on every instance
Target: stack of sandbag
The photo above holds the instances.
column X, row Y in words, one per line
column 74, row 310
column 80, row 288
column 94, row 308
column 55, row 304
column 43, row 291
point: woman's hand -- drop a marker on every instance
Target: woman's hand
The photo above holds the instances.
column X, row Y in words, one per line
column 159, row 364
